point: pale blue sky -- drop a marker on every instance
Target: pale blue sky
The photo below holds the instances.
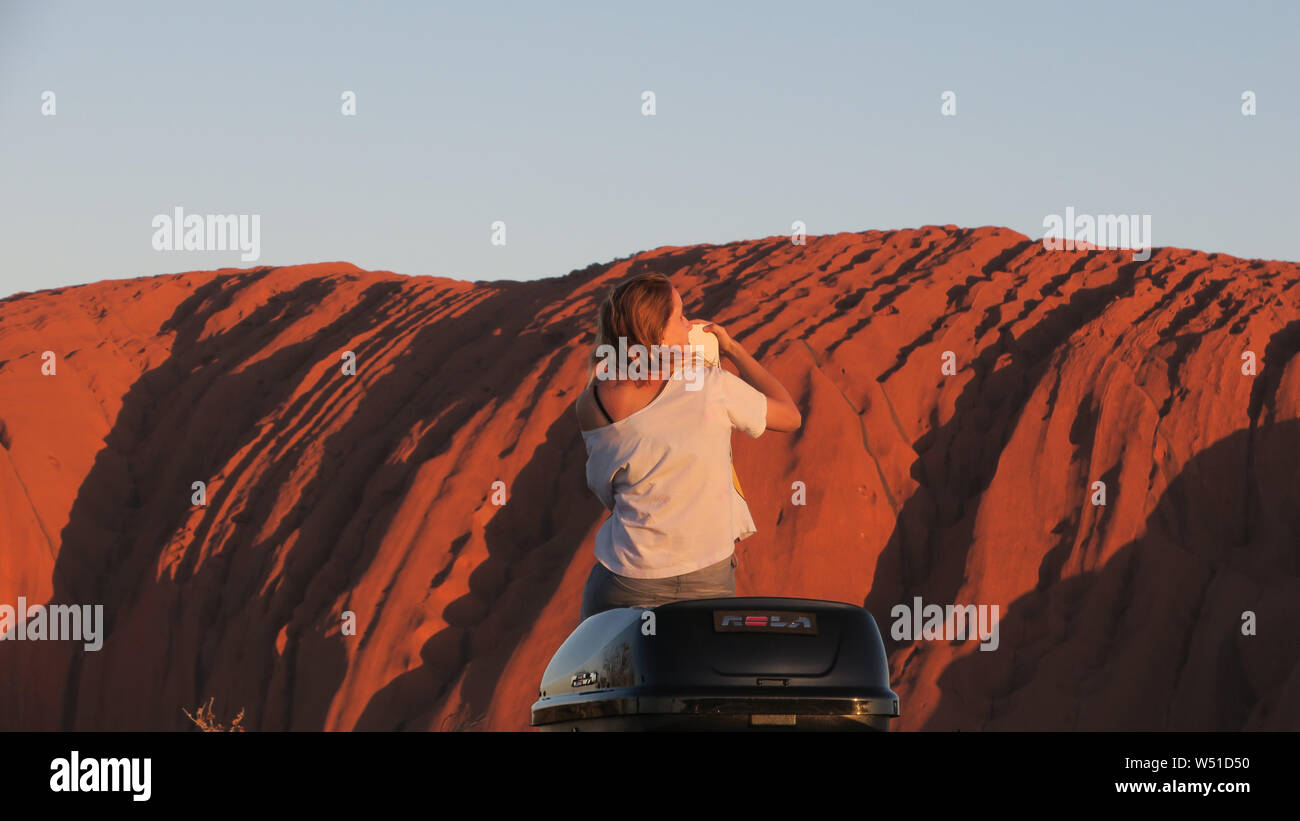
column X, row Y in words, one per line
column 767, row 113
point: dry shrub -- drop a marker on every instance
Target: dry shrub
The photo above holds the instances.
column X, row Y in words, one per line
column 207, row 720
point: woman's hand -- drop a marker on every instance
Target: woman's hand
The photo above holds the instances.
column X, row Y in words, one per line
column 726, row 345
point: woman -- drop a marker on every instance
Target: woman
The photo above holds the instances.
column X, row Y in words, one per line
column 659, row 454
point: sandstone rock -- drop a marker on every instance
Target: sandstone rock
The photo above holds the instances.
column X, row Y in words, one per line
column 371, row 494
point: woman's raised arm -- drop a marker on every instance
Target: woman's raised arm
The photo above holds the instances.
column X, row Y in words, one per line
column 782, row 413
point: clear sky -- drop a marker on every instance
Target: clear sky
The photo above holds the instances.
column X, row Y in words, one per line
column 766, row 113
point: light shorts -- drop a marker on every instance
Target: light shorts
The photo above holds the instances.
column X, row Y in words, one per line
column 606, row 590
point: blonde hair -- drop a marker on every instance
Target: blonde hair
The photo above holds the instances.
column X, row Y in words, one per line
column 637, row 309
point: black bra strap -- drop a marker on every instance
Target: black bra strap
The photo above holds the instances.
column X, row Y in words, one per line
column 601, row 404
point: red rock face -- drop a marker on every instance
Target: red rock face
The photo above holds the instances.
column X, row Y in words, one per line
column 372, row 494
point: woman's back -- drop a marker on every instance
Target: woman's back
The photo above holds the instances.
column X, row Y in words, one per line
column 663, row 469
column 615, row 400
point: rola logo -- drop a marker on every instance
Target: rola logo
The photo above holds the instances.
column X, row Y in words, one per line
column 764, row 621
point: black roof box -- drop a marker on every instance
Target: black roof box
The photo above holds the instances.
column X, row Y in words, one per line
column 746, row 663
